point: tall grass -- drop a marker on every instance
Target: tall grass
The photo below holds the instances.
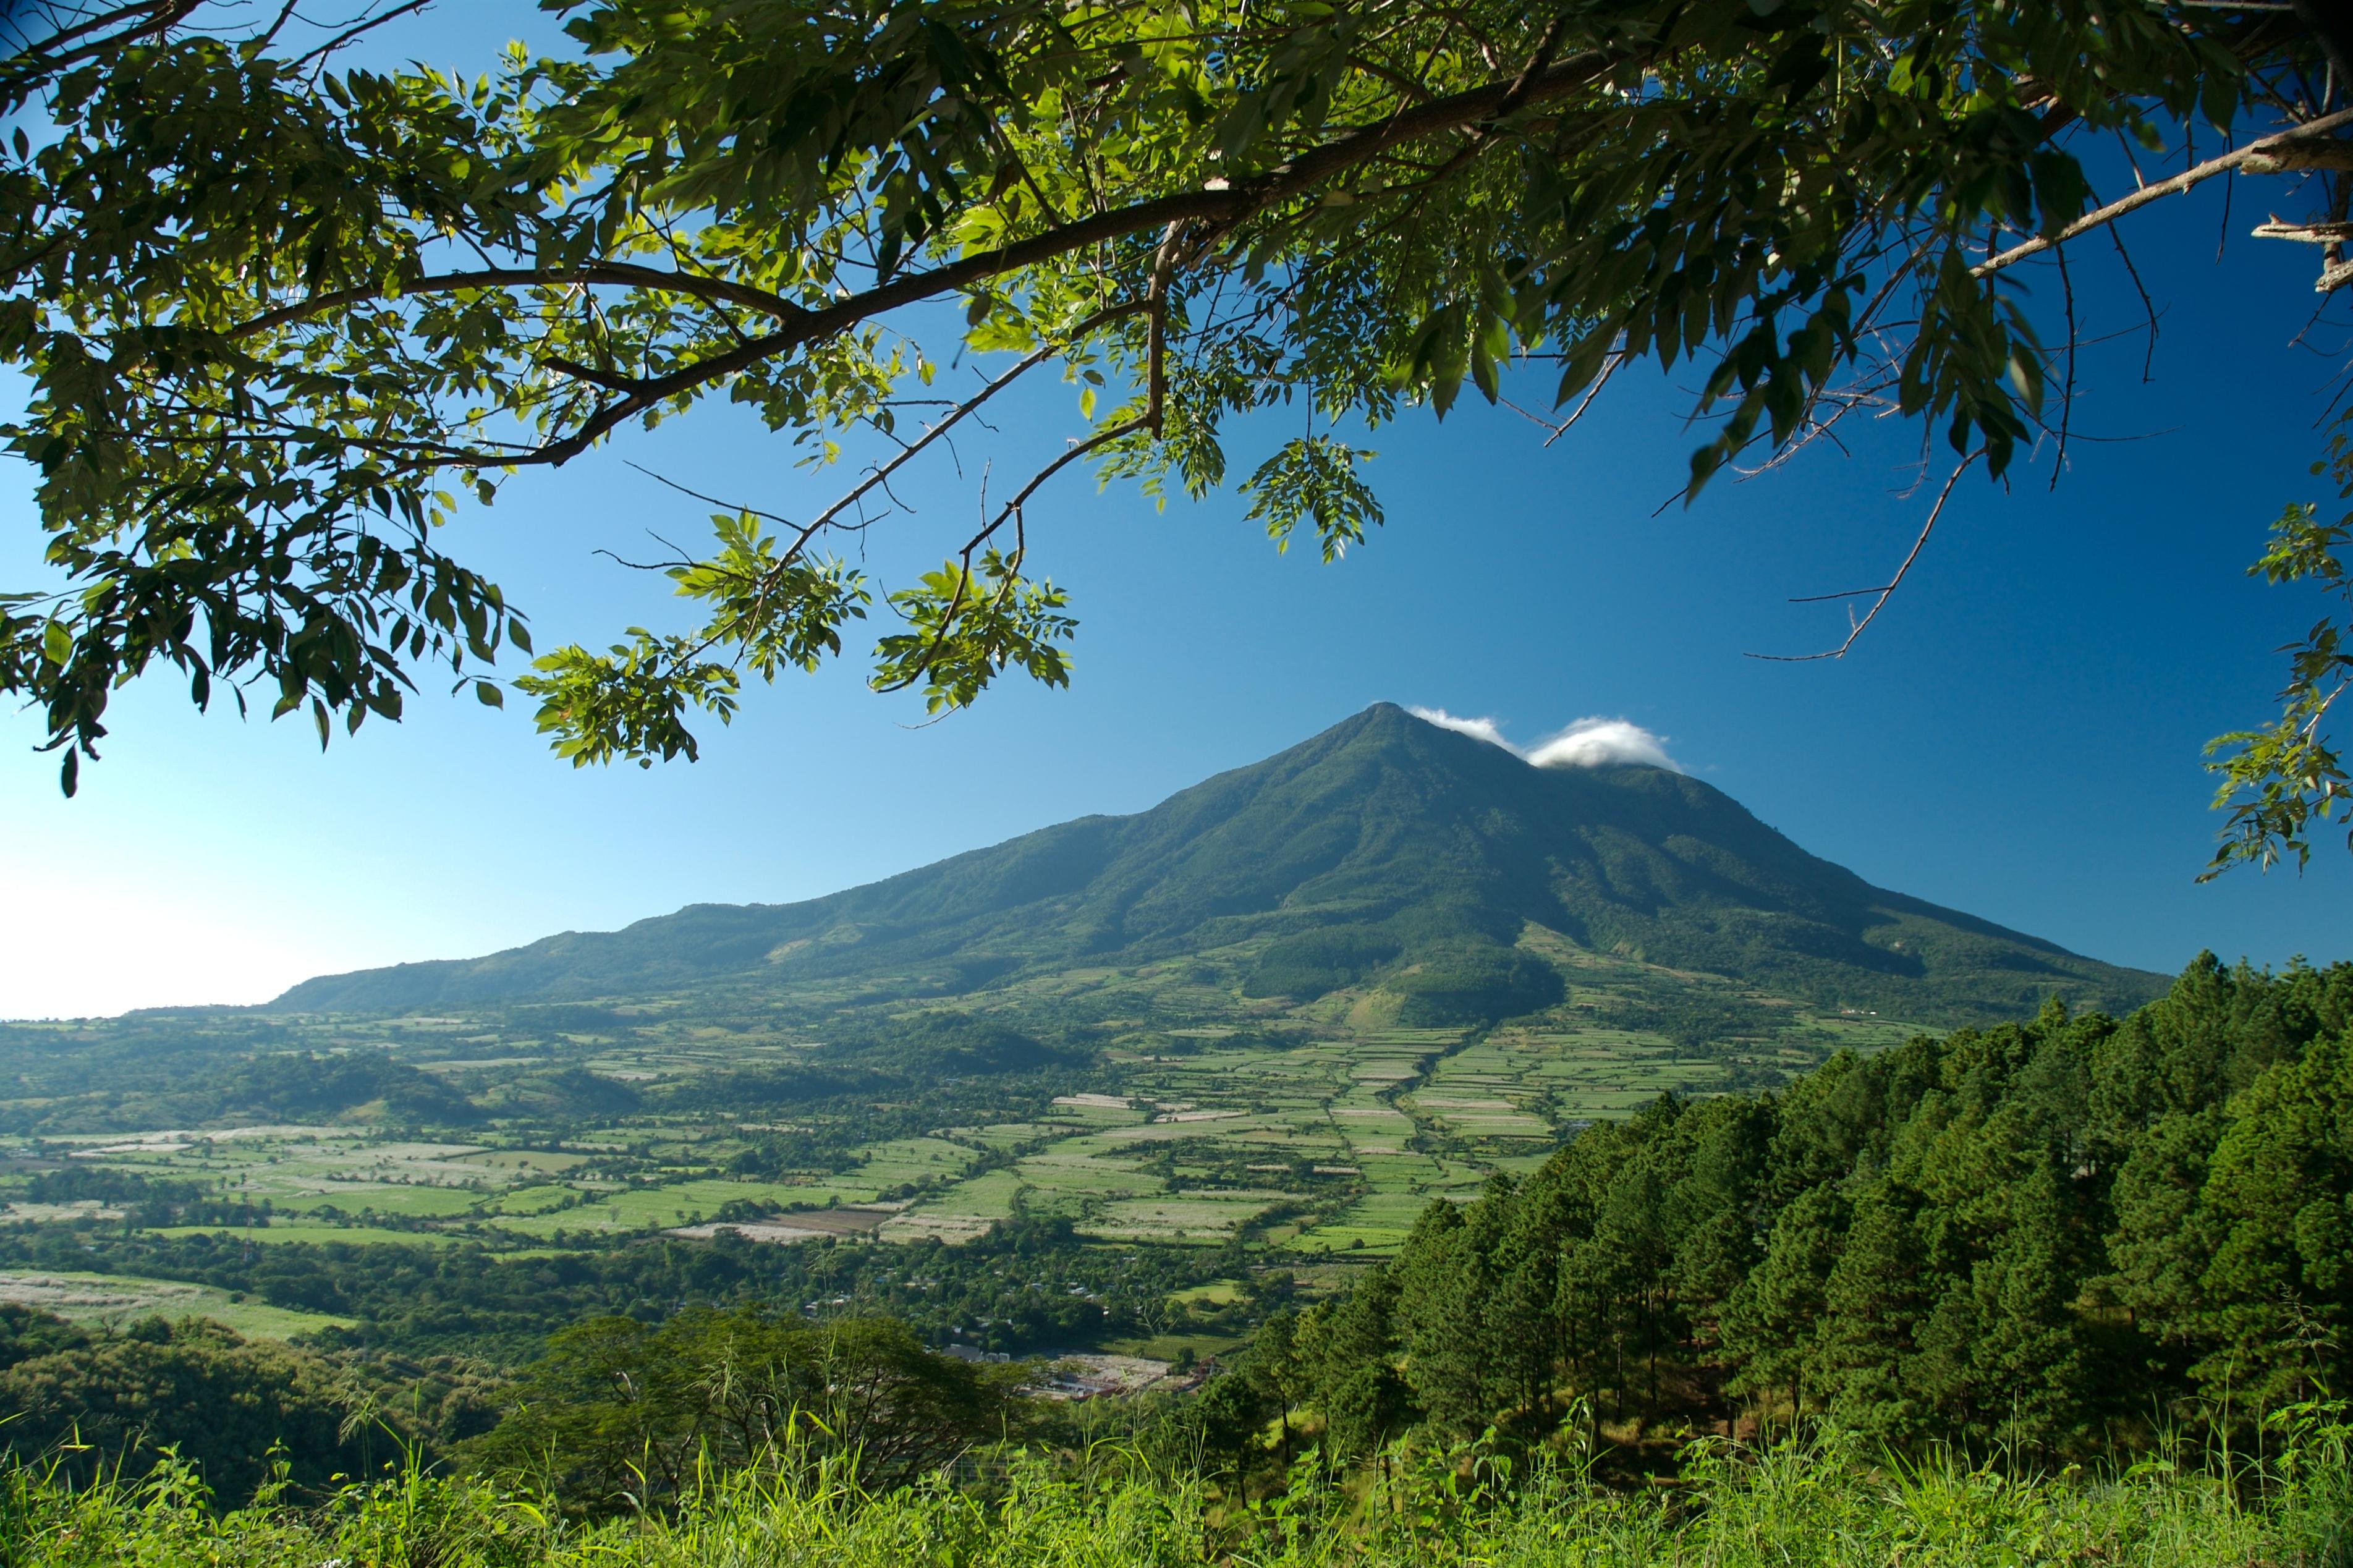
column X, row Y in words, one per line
column 1803, row 1503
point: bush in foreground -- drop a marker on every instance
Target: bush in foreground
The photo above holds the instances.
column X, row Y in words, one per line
column 1817, row 1502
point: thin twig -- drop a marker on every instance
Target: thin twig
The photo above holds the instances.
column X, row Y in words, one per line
column 2067, row 390
column 1611, row 363
column 349, row 33
column 2148, row 305
column 285, row 15
column 883, row 473
column 708, row 500
column 772, row 575
column 1855, row 627
column 1011, row 509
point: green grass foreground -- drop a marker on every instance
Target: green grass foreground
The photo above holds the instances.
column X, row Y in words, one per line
column 1814, row 1502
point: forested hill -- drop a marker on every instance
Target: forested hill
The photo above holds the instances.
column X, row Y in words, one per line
column 1381, row 839
column 2064, row 1239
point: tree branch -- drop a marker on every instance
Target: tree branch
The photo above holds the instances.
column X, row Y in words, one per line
column 1224, row 206
column 621, row 274
column 1011, row 509
column 882, row 473
column 366, row 25
column 38, row 60
column 1856, row 629
column 2188, row 178
column 970, row 405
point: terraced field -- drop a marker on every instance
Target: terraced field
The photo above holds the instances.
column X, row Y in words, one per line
column 1201, row 1117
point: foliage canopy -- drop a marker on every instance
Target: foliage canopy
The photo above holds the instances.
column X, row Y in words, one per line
column 284, row 320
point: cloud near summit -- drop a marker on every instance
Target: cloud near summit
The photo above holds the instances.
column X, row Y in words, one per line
column 1593, row 743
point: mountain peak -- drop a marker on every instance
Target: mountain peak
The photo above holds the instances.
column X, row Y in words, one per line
column 1407, row 832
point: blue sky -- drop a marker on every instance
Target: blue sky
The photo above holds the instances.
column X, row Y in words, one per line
column 2018, row 736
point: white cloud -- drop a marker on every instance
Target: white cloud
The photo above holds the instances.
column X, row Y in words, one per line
column 1601, row 744
column 1592, row 742
column 1477, row 728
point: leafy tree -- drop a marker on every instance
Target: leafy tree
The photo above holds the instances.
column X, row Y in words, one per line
column 1774, row 1313
column 285, row 318
column 1351, row 1343
column 1873, row 1305
column 2273, row 1226
column 26, row 1333
column 1256, row 1389
column 1231, row 1414
column 1440, row 1279
column 97, row 1404
column 2285, row 781
column 623, row 1413
column 2052, row 1237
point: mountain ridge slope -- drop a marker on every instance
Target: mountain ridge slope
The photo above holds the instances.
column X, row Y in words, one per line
column 1382, row 822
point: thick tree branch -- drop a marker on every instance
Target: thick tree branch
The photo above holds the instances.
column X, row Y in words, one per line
column 621, row 274
column 2256, row 150
column 1223, row 208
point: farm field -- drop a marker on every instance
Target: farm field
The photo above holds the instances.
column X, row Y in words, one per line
column 1183, row 1114
column 116, row 1299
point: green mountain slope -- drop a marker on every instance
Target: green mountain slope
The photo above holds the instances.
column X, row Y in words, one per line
column 1383, row 844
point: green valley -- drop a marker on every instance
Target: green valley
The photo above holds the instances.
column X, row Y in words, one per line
column 1262, row 1026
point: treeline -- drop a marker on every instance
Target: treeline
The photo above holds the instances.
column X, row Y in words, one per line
column 2065, row 1236
column 194, row 1089
column 91, row 1402
column 617, row 1414
column 1032, row 1285
column 587, row 1375
column 142, row 1200
column 198, row 1070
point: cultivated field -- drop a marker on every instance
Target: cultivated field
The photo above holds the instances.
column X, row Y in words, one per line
column 1188, row 1115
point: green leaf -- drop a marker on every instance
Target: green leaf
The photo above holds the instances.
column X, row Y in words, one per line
column 1313, row 479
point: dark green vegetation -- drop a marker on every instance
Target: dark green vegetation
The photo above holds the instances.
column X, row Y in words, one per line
column 1030, row 1286
column 1384, row 852
column 620, row 1415
column 97, row 1402
column 2063, row 1238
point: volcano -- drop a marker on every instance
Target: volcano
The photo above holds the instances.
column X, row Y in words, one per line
column 1357, row 853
